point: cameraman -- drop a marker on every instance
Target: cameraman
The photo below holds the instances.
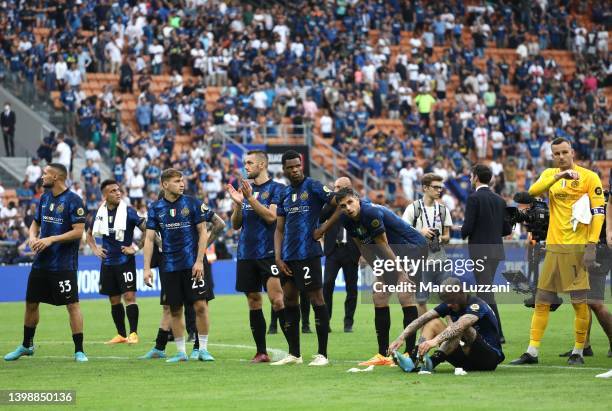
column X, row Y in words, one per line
column 570, row 247
column 432, row 219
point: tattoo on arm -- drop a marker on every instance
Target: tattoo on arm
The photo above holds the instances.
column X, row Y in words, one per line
column 457, row 328
column 217, row 228
column 417, row 324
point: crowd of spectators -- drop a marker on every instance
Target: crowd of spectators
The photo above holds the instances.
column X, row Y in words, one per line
column 325, row 65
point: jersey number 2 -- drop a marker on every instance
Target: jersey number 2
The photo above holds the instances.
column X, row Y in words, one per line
column 307, row 273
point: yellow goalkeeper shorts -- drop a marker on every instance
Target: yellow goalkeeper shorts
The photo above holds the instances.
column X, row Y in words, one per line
column 563, row 272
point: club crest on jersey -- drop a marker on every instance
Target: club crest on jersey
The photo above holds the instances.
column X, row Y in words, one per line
column 172, row 212
column 574, row 184
column 184, row 212
column 304, row 195
column 265, row 195
column 60, row 208
column 51, row 207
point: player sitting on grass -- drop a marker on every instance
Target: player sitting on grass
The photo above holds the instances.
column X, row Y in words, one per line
column 470, row 342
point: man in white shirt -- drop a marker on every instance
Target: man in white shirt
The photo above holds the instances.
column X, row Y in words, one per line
column 63, row 152
column 432, row 219
column 408, row 177
column 93, row 154
column 33, row 171
column 327, row 125
column 481, row 139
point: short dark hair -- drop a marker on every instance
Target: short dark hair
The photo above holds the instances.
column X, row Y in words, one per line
column 259, row 153
column 345, row 192
column 61, row 168
column 484, row 173
column 170, row 173
column 560, row 140
column 446, row 295
column 430, row 178
column 106, row 183
column 290, row 155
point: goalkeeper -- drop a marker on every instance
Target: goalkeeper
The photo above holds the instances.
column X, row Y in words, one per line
column 576, row 217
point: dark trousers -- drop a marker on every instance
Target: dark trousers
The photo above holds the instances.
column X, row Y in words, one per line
column 333, row 263
column 9, row 144
column 487, row 276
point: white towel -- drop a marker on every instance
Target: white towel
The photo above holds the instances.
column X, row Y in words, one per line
column 100, row 227
column 581, row 211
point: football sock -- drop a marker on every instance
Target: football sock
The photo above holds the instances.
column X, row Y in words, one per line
column 322, row 326
column 132, row 314
column 162, row 339
column 305, row 309
column 118, row 313
column 78, row 342
column 280, row 315
column 292, row 329
column 180, row 344
column 438, row 357
column 581, row 326
column 539, row 321
column 202, row 342
column 274, row 318
column 196, row 342
column 382, row 323
column 258, row 328
column 410, row 314
column 28, row 336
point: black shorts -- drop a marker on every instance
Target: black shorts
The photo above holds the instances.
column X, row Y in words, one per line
column 52, row 287
column 118, row 279
column 482, row 357
column 178, row 288
column 253, row 275
column 307, row 274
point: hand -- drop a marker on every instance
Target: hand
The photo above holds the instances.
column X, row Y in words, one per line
column 588, row 259
column 317, row 234
column 425, row 346
column 394, row 346
column 247, row 190
column 284, row 268
column 197, row 271
column 42, row 244
column 100, row 252
column 148, row 277
column 568, row 175
column 429, row 233
column 32, row 241
column 128, row 250
column 235, row 195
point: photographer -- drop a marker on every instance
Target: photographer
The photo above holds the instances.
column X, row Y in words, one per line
column 570, row 245
column 432, row 219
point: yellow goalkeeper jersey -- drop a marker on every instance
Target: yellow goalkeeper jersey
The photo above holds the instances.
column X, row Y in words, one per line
column 562, row 195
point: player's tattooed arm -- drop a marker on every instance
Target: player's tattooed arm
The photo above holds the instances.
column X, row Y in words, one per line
column 217, row 227
column 456, row 329
column 412, row 328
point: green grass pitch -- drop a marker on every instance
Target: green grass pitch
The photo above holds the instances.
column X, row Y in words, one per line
column 115, row 379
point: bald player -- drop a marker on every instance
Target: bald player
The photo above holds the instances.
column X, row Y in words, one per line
column 55, row 234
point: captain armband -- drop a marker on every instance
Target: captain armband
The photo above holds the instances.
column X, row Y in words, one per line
column 598, row 210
